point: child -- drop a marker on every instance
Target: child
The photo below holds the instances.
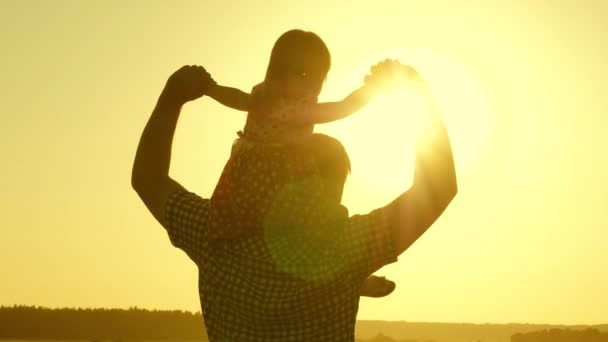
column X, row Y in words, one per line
column 272, row 153
column 270, row 167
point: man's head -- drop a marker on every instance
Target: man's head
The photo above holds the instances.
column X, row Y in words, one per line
column 300, row 240
column 298, row 66
column 334, row 164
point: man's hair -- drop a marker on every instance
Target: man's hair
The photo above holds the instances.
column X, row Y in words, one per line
column 298, row 47
column 333, row 163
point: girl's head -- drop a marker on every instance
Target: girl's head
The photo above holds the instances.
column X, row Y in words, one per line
column 299, row 63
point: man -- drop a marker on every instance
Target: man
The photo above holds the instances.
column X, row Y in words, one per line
column 272, row 287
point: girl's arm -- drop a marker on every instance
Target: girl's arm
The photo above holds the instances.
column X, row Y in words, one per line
column 332, row 111
column 230, row 97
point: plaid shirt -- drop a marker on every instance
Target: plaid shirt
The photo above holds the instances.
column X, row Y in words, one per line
column 281, row 285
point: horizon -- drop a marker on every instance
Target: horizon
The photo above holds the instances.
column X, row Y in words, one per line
column 199, row 313
column 31, row 323
column 520, row 85
column 137, row 308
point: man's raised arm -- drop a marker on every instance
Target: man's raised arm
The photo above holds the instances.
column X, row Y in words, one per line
column 150, row 174
column 434, row 185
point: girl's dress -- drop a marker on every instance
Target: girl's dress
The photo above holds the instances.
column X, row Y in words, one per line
column 271, row 179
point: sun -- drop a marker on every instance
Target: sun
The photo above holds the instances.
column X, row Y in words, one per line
column 381, row 138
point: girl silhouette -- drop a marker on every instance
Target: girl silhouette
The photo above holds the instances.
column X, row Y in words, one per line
column 270, row 167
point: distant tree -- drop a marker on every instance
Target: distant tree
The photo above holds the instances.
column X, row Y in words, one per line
column 30, row 322
column 383, row 338
column 561, row 335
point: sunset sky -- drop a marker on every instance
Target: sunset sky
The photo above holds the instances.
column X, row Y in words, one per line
column 521, row 84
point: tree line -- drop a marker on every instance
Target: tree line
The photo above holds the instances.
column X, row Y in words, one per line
column 34, row 323
column 562, row 335
column 21, row 322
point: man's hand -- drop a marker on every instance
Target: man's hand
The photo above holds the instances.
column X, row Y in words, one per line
column 390, row 75
column 188, row 83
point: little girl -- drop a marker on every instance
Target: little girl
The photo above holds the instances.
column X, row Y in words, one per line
column 271, row 153
column 270, row 167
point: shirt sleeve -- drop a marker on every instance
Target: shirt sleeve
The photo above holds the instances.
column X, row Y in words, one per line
column 369, row 240
column 186, row 215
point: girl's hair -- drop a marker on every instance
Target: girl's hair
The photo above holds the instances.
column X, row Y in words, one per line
column 298, row 49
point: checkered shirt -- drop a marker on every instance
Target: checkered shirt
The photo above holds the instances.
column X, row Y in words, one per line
column 281, row 285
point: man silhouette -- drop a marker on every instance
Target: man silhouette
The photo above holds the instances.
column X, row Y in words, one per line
column 280, row 286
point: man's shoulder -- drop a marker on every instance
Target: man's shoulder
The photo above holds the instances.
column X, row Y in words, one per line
column 181, row 198
column 186, row 217
column 183, row 205
column 369, row 239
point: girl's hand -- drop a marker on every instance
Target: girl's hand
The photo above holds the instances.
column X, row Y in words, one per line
column 389, row 75
column 378, row 78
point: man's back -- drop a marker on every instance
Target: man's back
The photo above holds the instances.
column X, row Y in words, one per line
column 365, row 243
column 267, row 288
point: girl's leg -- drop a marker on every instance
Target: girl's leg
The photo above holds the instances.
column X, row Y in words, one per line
column 376, row 287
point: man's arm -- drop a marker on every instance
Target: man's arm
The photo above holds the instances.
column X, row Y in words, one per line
column 434, row 185
column 150, row 174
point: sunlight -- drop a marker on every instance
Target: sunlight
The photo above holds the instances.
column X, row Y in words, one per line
column 381, row 139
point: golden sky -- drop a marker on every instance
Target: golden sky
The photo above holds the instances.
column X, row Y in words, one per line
column 521, row 85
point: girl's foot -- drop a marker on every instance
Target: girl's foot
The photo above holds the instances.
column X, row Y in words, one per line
column 376, row 287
